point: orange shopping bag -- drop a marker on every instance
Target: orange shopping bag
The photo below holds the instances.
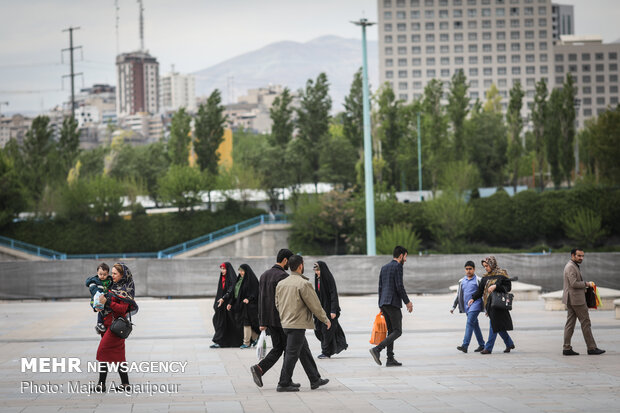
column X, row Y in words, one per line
column 598, row 297
column 379, row 330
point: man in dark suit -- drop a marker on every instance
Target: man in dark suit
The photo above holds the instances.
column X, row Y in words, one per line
column 574, row 296
column 391, row 296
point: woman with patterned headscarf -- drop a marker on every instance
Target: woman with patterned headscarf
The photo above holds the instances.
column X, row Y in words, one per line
column 117, row 303
column 496, row 279
column 226, row 333
column 333, row 340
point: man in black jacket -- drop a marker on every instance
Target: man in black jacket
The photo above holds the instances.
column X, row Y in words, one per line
column 391, row 296
column 268, row 316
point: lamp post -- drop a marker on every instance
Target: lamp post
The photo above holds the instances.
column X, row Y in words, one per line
column 419, row 160
column 577, row 105
column 371, row 244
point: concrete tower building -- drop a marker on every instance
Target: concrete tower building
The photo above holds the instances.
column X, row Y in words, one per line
column 563, row 20
column 177, row 91
column 137, row 88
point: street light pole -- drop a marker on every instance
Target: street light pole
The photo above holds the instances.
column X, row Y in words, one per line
column 371, row 244
column 577, row 105
column 419, row 160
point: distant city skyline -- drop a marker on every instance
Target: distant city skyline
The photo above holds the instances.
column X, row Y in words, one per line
column 192, row 35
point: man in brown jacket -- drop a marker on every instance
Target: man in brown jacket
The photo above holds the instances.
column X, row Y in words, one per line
column 296, row 302
column 574, row 297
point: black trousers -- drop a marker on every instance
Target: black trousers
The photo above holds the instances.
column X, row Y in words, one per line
column 297, row 349
column 278, row 340
column 394, row 320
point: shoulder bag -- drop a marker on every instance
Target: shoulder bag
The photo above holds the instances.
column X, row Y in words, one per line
column 501, row 301
column 121, row 326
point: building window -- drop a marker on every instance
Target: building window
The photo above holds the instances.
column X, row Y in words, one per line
column 585, row 57
column 415, row 3
column 430, row 38
column 401, row 27
column 600, row 78
column 415, row 27
column 458, row 60
column 444, row 49
column 514, row 11
column 587, row 112
column 458, row 37
column 430, row 73
column 613, row 67
column 416, row 73
column 389, row 62
column 530, row 70
column 542, row 22
column 500, row 35
column 415, row 14
column 444, row 26
column 515, row 35
column 559, row 69
column 473, row 60
column 585, row 68
column 572, row 57
column 559, row 57
column 402, row 62
column 528, row 22
column 416, row 38
column 416, row 50
column 586, row 79
column 613, row 55
column 430, row 49
column 473, row 36
column 387, row 15
column 402, row 50
column 472, row 24
column 600, row 89
column 529, row 46
column 472, row 12
column 486, row 24
column 542, row 10
column 487, row 60
column 502, row 82
column 613, row 78
column 402, row 73
column 445, row 61
column 473, row 71
column 542, row 46
column 500, row 12
column 400, row 3
column 515, row 58
column 529, row 58
column 429, row 26
column 514, row 23
column 388, row 51
column 501, row 58
column 572, row 68
column 429, row 14
column 543, row 57
column 429, row 3
column 600, row 100
column 613, row 100
column 485, row 12
column 401, row 15
column 416, row 61
column 389, row 74
column 387, row 3
column 599, row 56
column 600, row 67
column 486, row 36
column 402, row 38
column 544, row 69
column 387, row 38
column 501, row 47
column 515, row 47
column 529, row 34
column 487, row 71
column 417, row 85
column 445, row 72
column 387, row 27
column 528, row 11
column 587, row 90
column 500, row 24
column 516, row 70
column 458, row 48
column 443, row 14
column 458, row 25
column 530, row 81
column 444, row 37
column 430, row 61
column 473, row 83
column 402, row 85
column 473, row 48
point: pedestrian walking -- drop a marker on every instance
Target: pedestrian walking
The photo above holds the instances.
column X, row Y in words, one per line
column 468, row 285
column 268, row 316
column 244, row 304
column 333, row 340
column 226, row 331
column 391, row 296
column 500, row 322
column 574, row 296
column 297, row 302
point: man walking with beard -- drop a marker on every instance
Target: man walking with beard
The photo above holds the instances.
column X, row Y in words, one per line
column 391, row 296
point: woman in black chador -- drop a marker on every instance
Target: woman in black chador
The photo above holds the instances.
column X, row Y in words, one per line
column 332, row 340
column 244, row 304
column 226, row 331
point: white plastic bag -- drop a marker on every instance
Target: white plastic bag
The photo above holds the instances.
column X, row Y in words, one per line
column 261, row 345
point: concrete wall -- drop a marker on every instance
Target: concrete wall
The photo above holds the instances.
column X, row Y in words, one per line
column 194, row 277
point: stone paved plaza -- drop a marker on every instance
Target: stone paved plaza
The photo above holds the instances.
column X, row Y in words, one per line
column 435, row 377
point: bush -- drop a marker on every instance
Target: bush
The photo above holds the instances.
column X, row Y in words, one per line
column 584, row 227
column 391, row 236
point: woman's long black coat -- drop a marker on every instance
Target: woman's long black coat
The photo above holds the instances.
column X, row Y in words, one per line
column 226, row 330
column 500, row 319
column 333, row 340
column 247, row 314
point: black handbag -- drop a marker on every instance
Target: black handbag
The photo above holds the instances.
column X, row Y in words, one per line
column 501, row 301
column 121, row 326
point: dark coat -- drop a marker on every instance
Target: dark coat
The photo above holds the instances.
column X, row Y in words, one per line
column 500, row 319
column 391, row 288
column 112, row 347
column 226, row 331
column 247, row 314
column 268, row 315
column 333, row 340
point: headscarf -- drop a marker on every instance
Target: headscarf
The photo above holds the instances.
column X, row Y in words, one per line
column 225, row 283
column 249, row 287
column 495, row 271
column 124, row 289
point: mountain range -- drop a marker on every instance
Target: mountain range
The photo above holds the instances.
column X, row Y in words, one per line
column 291, row 64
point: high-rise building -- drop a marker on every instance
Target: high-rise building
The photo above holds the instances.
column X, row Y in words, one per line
column 594, row 67
column 177, row 91
column 137, row 88
column 562, row 20
column 492, row 41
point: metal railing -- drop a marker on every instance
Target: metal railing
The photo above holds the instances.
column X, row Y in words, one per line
column 165, row 253
column 222, row 233
column 32, row 249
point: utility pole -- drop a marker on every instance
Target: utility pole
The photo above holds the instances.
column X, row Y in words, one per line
column 371, row 243
column 141, row 25
column 72, row 75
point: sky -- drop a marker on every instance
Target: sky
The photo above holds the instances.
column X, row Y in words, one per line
column 191, row 34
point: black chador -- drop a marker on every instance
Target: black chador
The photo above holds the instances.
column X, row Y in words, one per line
column 333, row 340
column 246, row 314
column 227, row 332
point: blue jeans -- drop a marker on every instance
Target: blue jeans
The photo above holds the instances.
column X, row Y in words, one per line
column 493, row 335
column 471, row 327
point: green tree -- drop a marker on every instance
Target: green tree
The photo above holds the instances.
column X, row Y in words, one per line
column 12, row 193
column 353, row 116
column 281, row 113
column 39, row 157
column 600, row 147
column 567, row 128
column 435, row 130
column 458, row 108
column 181, row 187
column 553, row 136
column 493, row 101
column 107, row 201
column 179, row 141
column 450, row 218
column 338, row 159
column 69, row 143
column 313, row 120
column 209, row 131
column 486, row 144
column 389, row 132
column 539, row 120
column 398, row 234
column 515, row 126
